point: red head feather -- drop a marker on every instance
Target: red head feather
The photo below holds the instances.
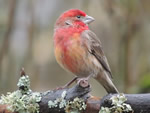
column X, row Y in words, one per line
column 69, row 14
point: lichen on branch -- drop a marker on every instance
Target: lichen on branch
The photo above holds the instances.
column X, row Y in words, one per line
column 70, row 106
column 118, row 105
column 22, row 100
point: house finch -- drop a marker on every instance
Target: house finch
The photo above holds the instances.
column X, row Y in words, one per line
column 78, row 49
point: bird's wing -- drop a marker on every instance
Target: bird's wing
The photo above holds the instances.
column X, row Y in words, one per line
column 94, row 47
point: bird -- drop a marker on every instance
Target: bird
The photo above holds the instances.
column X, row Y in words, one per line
column 77, row 49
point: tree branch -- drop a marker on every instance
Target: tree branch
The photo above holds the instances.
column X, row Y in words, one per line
column 77, row 98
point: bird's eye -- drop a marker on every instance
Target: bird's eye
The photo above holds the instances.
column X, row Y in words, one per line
column 78, row 16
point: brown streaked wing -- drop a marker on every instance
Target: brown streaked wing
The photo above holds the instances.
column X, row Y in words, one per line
column 95, row 48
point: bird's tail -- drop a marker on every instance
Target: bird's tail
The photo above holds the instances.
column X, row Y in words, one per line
column 105, row 80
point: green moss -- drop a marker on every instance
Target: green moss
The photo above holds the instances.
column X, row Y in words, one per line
column 74, row 106
column 118, row 105
column 22, row 100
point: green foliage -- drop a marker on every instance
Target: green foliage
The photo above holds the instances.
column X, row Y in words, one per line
column 145, row 81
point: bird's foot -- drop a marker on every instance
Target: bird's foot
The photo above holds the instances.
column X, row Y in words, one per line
column 83, row 82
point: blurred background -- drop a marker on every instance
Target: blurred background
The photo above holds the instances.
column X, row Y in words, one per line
column 26, row 40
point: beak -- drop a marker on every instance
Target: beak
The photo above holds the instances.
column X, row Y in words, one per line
column 88, row 19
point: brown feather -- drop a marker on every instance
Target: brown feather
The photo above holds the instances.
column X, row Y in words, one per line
column 95, row 48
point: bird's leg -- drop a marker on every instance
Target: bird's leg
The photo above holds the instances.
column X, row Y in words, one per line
column 70, row 82
column 84, row 79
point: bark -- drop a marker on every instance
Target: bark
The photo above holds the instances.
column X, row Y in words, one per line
column 140, row 103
